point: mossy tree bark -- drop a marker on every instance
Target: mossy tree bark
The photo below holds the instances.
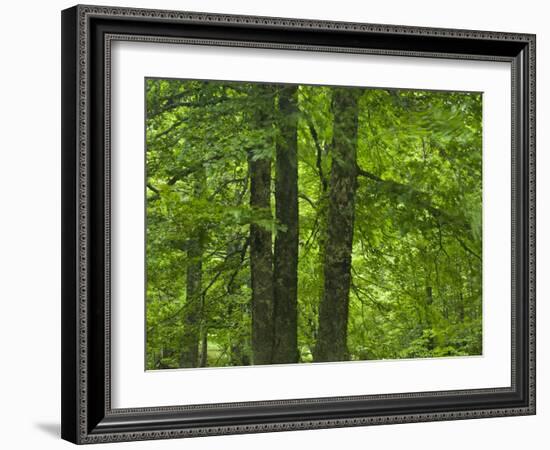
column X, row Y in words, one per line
column 285, row 273
column 333, row 309
column 261, row 263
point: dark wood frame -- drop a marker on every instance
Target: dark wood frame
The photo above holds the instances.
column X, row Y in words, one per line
column 87, row 32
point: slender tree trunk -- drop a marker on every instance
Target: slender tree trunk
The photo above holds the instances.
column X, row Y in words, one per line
column 321, row 224
column 333, row 309
column 203, row 357
column 322, row 206
column 204, row 350
column 461, row 308
column 239, row 339
column 429, row 317
column 261, row 263
column 192, row 311
column 285, row 273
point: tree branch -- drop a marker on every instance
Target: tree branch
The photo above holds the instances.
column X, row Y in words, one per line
column 318, row 161
column 241, row 260
column 225, row 183
column 307, row 199
column 169, row 129
column 419, row 198
column 155, row 190
column 171, row 104
column 465, row 247
column 189, row 170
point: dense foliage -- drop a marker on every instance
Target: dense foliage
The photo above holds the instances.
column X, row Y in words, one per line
column 311, row 223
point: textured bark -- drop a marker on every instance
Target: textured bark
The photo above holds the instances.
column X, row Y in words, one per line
column 261, row 264
column 285, row 273
column 189, row 356
column 333, row 309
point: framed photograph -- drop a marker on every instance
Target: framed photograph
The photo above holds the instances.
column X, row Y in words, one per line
column 279, row 224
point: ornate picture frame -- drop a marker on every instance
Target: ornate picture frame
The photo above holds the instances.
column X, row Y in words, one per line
column 88, row 33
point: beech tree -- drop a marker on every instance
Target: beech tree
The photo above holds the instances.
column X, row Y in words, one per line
column 261, row 263
column 333, row 310
column 285, row 274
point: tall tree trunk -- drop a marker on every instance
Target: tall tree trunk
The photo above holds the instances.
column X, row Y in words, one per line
column 285, row 272
column 429, row 317
column 333, row 309
column 261, row 262
column 203, row 331
column 239, row 338
column 192, row 311
column 321, row 224
column 322, row 232
column 204, row 350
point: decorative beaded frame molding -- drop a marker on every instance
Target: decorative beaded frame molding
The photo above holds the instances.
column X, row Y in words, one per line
column 87, row 416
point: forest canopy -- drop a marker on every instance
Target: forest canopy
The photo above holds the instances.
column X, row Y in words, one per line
column 297, row 223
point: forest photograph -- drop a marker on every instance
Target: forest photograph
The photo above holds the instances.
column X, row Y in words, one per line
column 293, row 223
